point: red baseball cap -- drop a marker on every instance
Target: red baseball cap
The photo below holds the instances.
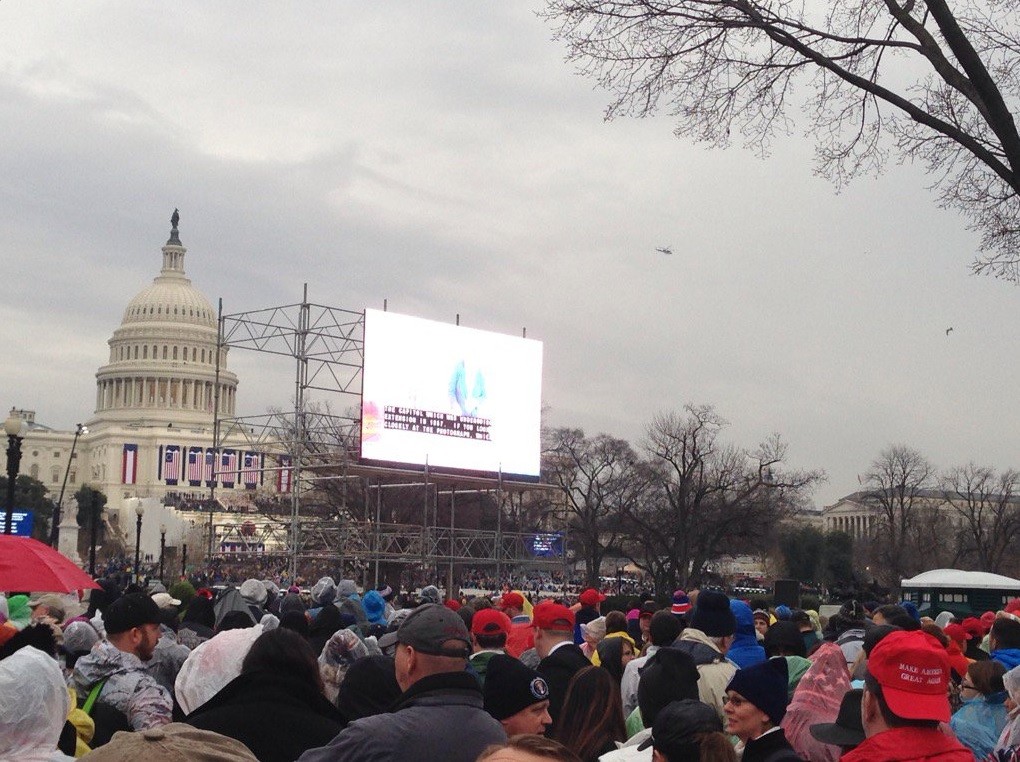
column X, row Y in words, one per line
column 553, row 616
column 957, row 632
column 974, row 626
column 913, row 670
column 490, row 622
column 511, row 600
column 590, row 597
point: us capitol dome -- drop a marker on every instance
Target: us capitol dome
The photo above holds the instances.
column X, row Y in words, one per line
column 163, row 366
column 151, row 435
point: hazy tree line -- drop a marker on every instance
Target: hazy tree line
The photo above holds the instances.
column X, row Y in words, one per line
column 677, row 500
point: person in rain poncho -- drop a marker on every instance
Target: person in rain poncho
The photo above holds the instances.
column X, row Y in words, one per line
column 33, row 706
column 132, row 629
column 980, row 721
column 212, row 665
column 1009, row 739
column 816, row 700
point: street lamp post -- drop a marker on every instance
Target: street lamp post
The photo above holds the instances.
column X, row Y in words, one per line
column 55, row 530
column 139, row 511
column 184, row 560
column 15, row 427
column 95, row 520
column 162, row 550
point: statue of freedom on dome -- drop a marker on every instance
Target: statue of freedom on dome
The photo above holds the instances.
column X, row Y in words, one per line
column 175, row 218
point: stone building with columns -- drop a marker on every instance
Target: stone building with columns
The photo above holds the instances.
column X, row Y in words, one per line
column 852, row 514
column 151, row 434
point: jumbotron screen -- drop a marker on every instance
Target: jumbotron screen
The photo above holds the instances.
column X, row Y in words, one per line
column 450, row 397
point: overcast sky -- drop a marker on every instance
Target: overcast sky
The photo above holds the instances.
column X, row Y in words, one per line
column 442, row 156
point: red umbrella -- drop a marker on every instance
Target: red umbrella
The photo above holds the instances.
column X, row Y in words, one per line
column 29, row 565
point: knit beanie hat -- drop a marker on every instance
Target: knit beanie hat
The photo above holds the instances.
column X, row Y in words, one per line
column 783, row 613
column 681, row 603
column 324, row 591
column 712, row 614
column 595, row 629
column 430, row 594
column 254, row 591
column 510, row 687
column 765, row 686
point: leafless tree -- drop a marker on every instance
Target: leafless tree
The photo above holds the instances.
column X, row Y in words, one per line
column 988, row 509
column 866, row 80
column 600, row 477
column 707, row 498
column 899, row 489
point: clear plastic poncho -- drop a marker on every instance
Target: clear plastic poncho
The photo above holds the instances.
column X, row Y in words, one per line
column 816, row 699
column 33, row 706
column 212, row 665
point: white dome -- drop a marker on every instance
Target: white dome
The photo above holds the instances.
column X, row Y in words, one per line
column 170, row 300
column 165, row 363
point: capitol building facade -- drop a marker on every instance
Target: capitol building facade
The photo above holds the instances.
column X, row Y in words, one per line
column 152, row 433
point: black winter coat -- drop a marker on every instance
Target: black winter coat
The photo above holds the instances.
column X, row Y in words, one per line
column 277, row 716
column 557, row 668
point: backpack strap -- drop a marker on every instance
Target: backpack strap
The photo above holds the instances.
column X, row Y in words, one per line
column 93, row 695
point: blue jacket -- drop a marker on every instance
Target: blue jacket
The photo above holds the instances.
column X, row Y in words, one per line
column 979, row 722
column 1008, row 657
column 745, row 651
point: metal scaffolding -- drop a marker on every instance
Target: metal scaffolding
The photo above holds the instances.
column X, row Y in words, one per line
column 327, row 347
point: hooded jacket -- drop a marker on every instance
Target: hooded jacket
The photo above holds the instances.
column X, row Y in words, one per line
column 129, row 688
column 440, row 717
column 910, row 745
column 745, row 651
column 714, row 671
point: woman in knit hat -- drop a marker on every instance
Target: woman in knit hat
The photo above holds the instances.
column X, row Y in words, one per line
column 756, row 701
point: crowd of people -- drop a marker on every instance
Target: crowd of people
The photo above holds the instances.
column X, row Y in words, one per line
column 337, row 673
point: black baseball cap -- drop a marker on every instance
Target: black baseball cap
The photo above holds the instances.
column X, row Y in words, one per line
column 130, row 611
column 678, row 724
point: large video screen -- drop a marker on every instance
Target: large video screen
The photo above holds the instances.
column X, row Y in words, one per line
column 450, row 397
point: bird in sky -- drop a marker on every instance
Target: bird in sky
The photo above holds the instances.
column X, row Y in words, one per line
column 664, row 250
column 950, row 328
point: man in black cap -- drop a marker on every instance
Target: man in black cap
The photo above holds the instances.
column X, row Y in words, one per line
column 517, row 696
column 439, row 715
column 118, row 664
